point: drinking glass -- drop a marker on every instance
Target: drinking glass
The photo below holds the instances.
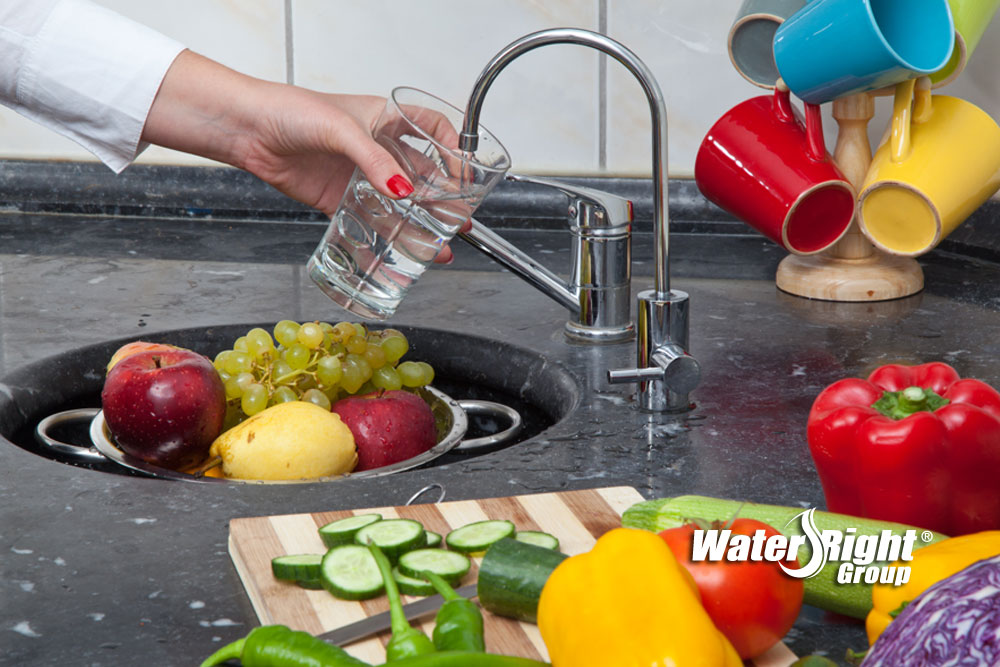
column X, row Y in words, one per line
column 376, row 247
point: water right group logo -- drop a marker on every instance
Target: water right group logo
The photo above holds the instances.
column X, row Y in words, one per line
column 862, row 558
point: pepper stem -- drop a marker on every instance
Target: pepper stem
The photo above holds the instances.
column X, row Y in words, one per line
column 397, row 617
column 901, row 404
column 441, row 586
column 406, row 641
column 228, row 652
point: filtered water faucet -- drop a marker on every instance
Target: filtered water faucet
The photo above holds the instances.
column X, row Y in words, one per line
column 665, row 372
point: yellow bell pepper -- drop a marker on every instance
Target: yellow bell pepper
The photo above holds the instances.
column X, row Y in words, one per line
column 628, row 602
column 930, row 564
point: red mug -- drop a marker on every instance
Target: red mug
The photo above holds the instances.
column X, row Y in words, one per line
column 760, row 163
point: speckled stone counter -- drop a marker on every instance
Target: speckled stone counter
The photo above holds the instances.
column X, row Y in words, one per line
column 109, row 569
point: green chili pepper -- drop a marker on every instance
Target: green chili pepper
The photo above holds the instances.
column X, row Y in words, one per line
column 459, row 623
column 406, row 641
column 279, row 646
column 468, row 659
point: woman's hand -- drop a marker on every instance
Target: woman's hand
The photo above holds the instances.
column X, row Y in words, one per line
column 304, row 143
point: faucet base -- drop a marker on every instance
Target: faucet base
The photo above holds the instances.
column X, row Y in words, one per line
column 663, row 341
column 598, row 335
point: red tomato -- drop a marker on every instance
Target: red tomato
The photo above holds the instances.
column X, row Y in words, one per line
column 753, row 603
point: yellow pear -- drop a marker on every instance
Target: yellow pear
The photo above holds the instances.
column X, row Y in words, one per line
column 294, row 440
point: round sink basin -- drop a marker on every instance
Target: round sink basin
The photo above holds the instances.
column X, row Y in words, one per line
column 470, row 370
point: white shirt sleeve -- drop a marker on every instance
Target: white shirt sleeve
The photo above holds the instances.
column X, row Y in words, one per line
column 84, row 71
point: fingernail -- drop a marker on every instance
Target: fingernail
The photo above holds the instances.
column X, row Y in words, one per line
column 399, row 186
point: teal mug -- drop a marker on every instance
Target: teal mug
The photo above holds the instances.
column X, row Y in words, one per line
column 835, row 48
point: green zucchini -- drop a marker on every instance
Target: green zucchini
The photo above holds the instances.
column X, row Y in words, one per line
column 479, row 535
column 349, row 572
column 538, row 538
column 342, row 531
column 296, row 567
column 511, row 577
column 412, row 585
column 822, row 590
column 449, row 565
column 393, row 536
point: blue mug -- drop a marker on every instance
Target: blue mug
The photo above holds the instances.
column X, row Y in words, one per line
column 834, row 48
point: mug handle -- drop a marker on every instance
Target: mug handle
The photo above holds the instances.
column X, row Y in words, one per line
column 911, row 104
column 814, row 119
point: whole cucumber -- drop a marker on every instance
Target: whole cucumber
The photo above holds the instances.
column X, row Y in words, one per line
column 512, row 575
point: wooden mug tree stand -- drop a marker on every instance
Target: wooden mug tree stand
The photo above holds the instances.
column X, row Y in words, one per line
column 852, row 269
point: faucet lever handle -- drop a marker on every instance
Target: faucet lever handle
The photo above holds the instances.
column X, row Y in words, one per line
column 592, row 208
column 678, row 370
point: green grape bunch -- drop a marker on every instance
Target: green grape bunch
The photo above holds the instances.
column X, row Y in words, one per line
column 316, row 362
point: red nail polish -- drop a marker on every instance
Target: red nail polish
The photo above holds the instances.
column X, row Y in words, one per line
column 399, row 186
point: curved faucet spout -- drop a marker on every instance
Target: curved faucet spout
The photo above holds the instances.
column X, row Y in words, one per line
column 664, row 371
column 469, row 137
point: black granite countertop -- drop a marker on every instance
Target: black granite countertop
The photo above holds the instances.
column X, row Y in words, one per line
column 110, row 569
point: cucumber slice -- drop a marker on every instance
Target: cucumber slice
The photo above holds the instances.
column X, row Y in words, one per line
column 349, row 572
column 449, row 565
column 433, row 539
column 538, row 538
column 393, row 536
column 342, row 531
column 478, row 536
column 511, row 578
column 296, row 567
column 311, row 584
column 412, row 585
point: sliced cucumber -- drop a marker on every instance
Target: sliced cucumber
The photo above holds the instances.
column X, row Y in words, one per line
column 538, row 538
column 342, row 531
column 311, row 584
column 511, row 578
column 478, row 536
column 433, row 539
column 393, row 536
column 296, row 567
column 349, row 572
column 449, row 565
column 412, row 585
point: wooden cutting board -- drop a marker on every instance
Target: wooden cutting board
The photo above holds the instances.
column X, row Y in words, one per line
column 577, row 518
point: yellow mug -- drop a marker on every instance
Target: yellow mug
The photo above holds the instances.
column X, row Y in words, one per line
column 938, row 164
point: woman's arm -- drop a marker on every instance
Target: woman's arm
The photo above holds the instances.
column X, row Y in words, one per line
column 306, row 144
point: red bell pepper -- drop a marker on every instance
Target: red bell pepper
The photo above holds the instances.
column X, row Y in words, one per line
column 912, row 444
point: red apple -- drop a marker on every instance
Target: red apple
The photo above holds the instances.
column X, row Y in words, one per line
column 134, row 347
column 164, row 406
column 388, row 427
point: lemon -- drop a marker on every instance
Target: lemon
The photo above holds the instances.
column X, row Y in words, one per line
column 288, row 441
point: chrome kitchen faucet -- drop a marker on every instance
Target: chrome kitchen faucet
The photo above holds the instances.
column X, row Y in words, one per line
column 598, row 292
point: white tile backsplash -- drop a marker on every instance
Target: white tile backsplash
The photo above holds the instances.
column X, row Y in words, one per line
column 545, row 107
column 684, row 44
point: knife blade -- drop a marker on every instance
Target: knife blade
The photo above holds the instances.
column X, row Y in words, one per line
column 366, row 627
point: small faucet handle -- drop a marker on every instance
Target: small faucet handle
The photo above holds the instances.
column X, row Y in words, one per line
column 670, row 364
column 592, row 208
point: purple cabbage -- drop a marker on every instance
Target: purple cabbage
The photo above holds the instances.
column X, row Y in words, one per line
column 954, row 622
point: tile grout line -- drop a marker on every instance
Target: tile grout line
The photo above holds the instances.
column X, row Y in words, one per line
column 602, row 90
column 289, row 45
